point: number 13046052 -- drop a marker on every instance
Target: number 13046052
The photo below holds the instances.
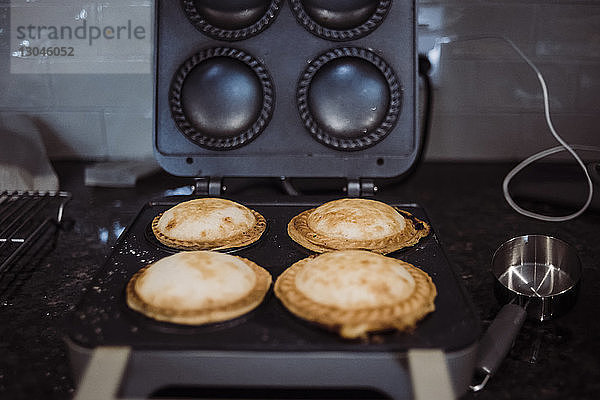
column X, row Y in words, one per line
column 27, row 51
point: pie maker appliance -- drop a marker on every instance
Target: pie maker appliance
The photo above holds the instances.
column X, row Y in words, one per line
column 250, row 88
column 299, row 88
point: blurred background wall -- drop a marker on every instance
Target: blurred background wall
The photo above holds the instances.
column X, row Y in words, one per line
column 488, row 103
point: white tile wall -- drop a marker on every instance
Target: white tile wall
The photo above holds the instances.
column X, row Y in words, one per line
column 112, row 92
column 487, row 103
column 466, row 18
column 90, row 116
column 574, row 128
column 136, row 11
column 566, row 31
column 23, row 92
column 73, row 133
column 513, row 87
column 588, row 89
column 128, row 134
column 464, row 80
column 475, row 137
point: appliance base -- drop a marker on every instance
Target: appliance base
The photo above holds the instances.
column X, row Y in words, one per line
column 381, row 374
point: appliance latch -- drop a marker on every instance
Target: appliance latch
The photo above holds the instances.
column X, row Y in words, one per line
column 208, row 186
column 361, row 188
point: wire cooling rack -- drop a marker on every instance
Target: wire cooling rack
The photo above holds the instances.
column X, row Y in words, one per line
column 29, row 222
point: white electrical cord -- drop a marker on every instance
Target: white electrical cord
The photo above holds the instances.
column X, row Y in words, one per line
column 539, row 156
column 564, row 146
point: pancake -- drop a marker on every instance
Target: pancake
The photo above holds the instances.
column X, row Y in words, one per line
column 356, row 224
column 208, row 224
column 198, row 287
column 355, row 292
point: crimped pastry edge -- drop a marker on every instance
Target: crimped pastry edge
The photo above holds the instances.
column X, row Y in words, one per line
column 219, row 313
column 240, row 240
column 353, row 324
column 302, row 234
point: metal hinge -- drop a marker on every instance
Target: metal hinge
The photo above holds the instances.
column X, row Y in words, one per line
column 208, row 186
column 361, row 188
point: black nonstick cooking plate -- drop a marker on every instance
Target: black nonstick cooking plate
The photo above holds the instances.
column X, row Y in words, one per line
column 103, row 318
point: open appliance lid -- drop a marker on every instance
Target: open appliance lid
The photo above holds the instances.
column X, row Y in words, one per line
column 298, row 89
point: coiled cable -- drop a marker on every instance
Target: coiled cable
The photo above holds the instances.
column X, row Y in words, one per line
column 564, row 146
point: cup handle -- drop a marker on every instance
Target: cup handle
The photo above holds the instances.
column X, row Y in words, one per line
column 497, row 341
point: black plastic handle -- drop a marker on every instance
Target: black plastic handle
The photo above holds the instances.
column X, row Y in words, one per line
column 497, row 341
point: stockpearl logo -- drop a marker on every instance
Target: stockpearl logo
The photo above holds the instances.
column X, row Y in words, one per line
column 67, row 38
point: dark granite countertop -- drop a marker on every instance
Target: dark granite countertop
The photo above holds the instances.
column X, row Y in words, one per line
column 557, row 359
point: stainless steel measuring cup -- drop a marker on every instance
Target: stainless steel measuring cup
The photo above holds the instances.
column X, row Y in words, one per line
column 538, row 276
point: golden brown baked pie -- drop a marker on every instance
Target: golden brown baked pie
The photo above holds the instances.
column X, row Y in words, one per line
column 208, row 224
column 355, row 292
column 356, row 224
column 198, row 287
